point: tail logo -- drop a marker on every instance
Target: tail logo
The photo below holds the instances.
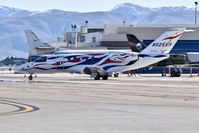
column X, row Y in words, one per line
column 171, row 37
column 166, row 44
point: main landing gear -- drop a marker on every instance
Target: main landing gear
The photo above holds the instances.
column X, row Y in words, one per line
column 116, row 75
column 176, row 72
column 105, row 77
column 98, row 76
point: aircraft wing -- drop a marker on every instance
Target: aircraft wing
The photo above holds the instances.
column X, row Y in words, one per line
column 180, row 60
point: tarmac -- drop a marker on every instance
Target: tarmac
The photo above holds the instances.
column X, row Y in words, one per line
column 74, row 103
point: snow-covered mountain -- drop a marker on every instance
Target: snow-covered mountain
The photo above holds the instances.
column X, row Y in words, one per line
column 13, row 12
column 130, row 9
column 50, row 24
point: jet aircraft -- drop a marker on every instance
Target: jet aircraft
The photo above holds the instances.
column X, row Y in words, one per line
column 102, row 64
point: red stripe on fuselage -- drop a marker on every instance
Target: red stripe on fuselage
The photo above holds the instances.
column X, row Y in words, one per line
column 58, row 63
column 110, row 61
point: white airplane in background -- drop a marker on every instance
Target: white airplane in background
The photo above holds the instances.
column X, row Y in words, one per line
column 102, row 64
column 37, row 47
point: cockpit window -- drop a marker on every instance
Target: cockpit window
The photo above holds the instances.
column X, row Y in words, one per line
column 41, row 59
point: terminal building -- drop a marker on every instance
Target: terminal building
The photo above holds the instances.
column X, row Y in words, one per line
column 114, row 36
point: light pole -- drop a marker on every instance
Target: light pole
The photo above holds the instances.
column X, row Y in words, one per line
column 196, row 3
column 124, row 22
column 86, row 22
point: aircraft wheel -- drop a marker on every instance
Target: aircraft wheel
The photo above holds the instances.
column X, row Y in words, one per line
column 97, row 77
column 30, row 77
column 164, row 74
column 175, row 74
column 105, row 77
column 116, row 75
column 172, row 74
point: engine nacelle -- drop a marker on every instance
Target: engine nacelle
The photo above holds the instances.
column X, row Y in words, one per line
column 139, row 46
column 92, row 70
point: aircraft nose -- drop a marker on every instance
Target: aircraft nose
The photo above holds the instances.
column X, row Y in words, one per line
column 18, row 69
column 21, row 68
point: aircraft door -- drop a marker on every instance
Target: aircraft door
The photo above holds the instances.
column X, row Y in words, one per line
column 60, row 64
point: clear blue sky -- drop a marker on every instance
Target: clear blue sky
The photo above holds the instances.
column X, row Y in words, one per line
column 88, row 5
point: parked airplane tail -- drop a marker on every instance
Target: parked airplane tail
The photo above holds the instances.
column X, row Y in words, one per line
column 164, row 43
column 35, row 45
column 159, row 49
column 135, row 44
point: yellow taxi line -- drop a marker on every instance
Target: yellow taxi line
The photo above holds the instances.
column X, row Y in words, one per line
column 22, row 108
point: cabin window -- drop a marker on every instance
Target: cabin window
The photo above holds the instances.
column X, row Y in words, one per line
column 72, row 58
column 52, row 58
column 41, row 59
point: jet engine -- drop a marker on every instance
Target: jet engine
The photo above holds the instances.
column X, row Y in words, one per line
column 96, row 72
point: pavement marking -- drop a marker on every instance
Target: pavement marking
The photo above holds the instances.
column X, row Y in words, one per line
column 22, row 108
column 116, row 83
column 12, row 80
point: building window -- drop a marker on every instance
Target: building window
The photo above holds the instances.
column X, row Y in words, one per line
column 94, row 39
column 95, row 30
column 82, row 38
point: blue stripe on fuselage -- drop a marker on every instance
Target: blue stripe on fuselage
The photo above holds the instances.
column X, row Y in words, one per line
column 112, row 66
column 154, row 56
column 92, row 61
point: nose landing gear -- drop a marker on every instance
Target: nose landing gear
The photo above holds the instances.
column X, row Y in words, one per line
column 30, row 77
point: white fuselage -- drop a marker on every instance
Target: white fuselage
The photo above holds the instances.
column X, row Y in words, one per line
column 98, row 63
column 75, row 63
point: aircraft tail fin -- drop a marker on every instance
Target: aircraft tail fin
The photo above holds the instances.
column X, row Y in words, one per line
column 34, row 44
column 165, row 42
column 135, row 44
